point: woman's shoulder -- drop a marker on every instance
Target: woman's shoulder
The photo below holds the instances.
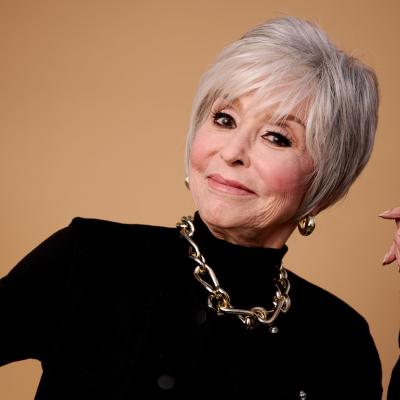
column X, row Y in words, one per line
column 97, row 225
column 323, row 305
column 99, row 244
column 95, row 230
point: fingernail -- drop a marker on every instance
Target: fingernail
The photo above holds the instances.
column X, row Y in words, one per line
column 385, row 259
column 387, row 212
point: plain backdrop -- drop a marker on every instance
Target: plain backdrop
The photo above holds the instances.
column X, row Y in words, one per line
column 95, row 99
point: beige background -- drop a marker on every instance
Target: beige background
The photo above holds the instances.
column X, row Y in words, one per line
column 94, row 103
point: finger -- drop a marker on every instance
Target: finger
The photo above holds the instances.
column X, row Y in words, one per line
column 390, row 256
column 398, row 256
column 388, row 259
column 393, row 213
column 394, row 252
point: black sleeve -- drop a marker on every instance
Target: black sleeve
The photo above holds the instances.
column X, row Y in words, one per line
column 394, row 384
column 358, row 368
column 368, row 369
column 31, row 299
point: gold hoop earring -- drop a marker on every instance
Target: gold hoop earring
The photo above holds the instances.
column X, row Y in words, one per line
column 187, row 183
column 306, row 225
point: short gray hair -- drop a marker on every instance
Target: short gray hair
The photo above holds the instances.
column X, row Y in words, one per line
column 287, row 62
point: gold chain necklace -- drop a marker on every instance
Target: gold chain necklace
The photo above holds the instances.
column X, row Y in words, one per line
column 219, row 299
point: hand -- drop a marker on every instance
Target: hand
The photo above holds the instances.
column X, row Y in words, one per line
column 394, row 251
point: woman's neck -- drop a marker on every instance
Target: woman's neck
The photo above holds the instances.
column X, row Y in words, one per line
column 274, row 237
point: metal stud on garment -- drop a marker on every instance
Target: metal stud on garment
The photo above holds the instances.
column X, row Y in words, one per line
column 306, row 225
column 274, row 329
column 166, row 382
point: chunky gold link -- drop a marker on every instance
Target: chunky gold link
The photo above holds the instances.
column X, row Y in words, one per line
column 219, row 299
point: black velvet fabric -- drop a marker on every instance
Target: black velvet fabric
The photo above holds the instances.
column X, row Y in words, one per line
column 113, row 311
column 394, row 384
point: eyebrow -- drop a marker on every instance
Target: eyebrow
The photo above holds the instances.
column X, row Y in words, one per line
column 289, row 117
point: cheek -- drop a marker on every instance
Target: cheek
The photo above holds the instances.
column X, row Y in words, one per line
column 197, row 167
column 285, row 177
column 200, row 152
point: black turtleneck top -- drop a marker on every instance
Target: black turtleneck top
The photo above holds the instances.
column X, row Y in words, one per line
column 113, row 311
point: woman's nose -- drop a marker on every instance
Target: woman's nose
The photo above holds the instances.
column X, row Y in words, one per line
column 235, row 150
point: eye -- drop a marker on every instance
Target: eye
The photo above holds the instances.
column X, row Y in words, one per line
column 224, row 120
column 278, row 139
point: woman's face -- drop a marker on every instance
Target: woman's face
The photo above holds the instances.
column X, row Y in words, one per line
column 247, row 175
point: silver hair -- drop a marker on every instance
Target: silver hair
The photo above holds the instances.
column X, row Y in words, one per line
column 290, row 62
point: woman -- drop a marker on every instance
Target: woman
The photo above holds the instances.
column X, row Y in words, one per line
column 282, row 124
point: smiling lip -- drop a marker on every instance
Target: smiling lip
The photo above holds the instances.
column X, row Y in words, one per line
column 217, row 182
